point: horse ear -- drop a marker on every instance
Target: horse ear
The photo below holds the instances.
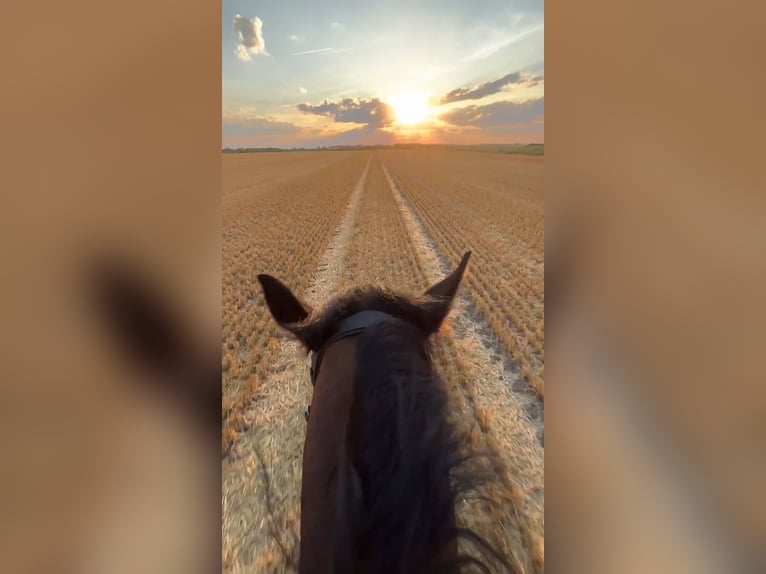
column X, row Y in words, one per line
column 444, row 291
column 142, row 320
column 447, row 287
column 285, row 307
column 138, row 316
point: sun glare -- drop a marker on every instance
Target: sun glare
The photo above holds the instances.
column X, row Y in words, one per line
column 410, row 108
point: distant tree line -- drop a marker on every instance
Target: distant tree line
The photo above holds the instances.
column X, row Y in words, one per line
column 526, row 149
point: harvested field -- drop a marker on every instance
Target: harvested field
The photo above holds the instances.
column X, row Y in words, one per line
column 276, row 216
column 480, row 199
column 400, row 218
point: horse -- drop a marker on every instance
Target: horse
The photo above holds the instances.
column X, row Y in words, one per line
column 381, row 461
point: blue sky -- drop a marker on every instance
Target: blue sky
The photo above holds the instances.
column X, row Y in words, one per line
column 304, row 73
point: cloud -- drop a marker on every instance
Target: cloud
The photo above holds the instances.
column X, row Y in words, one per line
column 240, row 113
column 312, row 51
column 357, row 136
column 500, row 39
column 257, row 126
column 303, row 90
column 519, row 79
column 337, row 26
column 498, row 113
column 373, row 113
column 249, row 37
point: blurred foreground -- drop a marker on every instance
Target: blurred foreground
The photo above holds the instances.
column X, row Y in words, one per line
column 105, row 468
column 655, row 272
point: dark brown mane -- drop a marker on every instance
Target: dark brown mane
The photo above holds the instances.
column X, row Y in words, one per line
column 319, row 327
column 409, row 458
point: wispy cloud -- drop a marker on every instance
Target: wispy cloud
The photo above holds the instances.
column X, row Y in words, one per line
column 520, row 79
column 373, row 113
column 312, row 51
column 499, row 41
column 337, row 26
column 249, row 37
column 240, row 113
column 498, row 113
column 257, row 126
column 303, row 90
column 356, row 136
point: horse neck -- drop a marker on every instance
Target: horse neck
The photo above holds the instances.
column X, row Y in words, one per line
column 324, row 460
column 395, row 519
column 401, row 445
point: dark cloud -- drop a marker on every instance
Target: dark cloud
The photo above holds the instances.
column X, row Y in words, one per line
column 520, row 79
column 498, row 113
column 373, row 113
column 257, row 126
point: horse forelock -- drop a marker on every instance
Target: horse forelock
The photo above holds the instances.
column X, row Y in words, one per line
column 319, row 327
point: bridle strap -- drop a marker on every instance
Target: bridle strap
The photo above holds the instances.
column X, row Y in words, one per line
column 350, row 326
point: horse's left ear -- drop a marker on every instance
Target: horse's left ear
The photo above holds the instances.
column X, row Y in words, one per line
column 142, row 320
column 285, row 307
column 444, row 292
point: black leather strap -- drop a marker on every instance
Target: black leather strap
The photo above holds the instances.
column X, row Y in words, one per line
column 350, row 326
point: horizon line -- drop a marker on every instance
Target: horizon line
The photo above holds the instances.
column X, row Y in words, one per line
column 366, row 146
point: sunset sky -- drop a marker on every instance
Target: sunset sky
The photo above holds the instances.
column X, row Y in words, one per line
column 307, row 74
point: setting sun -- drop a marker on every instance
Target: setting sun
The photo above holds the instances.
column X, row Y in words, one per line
column 410, row 108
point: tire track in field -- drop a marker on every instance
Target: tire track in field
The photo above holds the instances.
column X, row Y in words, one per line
column 508, row 412
column 261, row 485
column 468, row 322
column 330, row 267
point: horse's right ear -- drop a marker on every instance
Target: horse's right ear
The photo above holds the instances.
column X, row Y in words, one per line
column 285, row 307
column 447, row 287
column 443, row 293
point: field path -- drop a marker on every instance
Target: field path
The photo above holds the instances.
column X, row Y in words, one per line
column 509, row 414
column 330, row 267
column 463, row 201
column 261, row 481
column 468, row 325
